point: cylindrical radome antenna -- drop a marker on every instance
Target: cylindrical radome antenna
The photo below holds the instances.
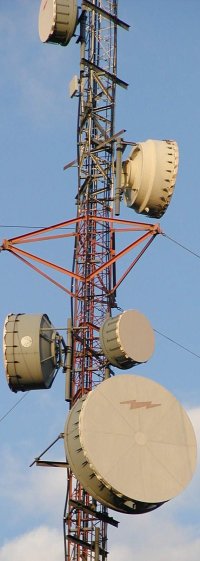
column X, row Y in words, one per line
column 149, row 176
column 30, row 351
column 57, row 21
column 127, row 339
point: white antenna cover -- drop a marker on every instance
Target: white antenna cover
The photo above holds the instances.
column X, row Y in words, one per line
column 149, row 176
column 130, row 444
column 57, row 21
column 127, row 339
column 29, row 351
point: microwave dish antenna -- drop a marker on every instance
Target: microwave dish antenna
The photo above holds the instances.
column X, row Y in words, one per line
column 57, row 21
column 127, row 339
column 149, row 176
column 31, row 351
column 131, row 444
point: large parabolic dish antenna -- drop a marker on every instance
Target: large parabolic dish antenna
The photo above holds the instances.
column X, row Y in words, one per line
column 131, row 444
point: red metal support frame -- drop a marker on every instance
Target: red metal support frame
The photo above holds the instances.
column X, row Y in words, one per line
column 151, row 232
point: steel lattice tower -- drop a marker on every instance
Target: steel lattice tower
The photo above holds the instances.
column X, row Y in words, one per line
column 86, row 522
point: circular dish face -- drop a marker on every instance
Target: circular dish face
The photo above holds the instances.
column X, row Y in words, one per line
column 137, row 439
column 47, row 19
column 136, row 336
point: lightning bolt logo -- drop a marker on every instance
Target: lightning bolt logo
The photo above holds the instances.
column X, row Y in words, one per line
column 139, row 404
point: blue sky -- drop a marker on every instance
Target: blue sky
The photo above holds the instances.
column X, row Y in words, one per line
column 159, row 58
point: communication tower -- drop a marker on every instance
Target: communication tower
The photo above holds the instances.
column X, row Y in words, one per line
column 98, row 336
column 85, row 519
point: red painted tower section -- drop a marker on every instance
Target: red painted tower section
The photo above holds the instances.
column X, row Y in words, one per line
column 86, row 521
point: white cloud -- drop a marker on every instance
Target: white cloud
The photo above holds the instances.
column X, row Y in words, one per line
column 26, row 489
column 44, row 486
column 42, row 543
column 155, row 536
column 156, row 540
